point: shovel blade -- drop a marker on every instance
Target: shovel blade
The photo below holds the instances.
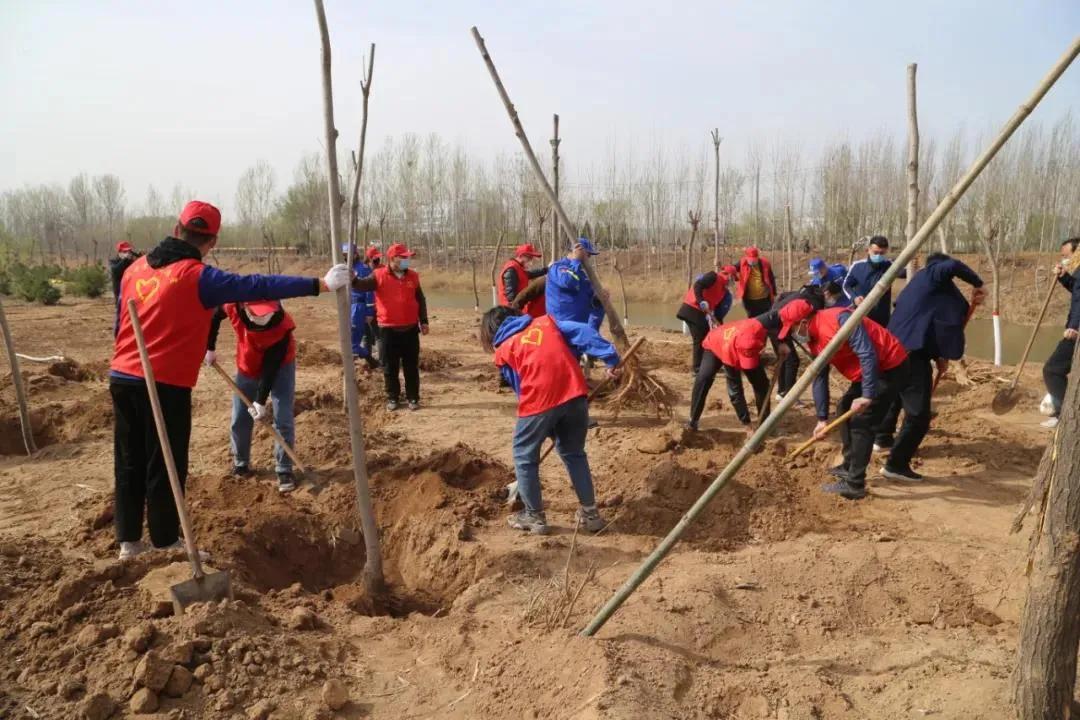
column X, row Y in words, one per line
column 1004, row 401
column 211, row 587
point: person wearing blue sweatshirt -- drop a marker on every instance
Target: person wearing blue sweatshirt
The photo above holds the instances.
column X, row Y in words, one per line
column 928, row 321
column 538, row 358
column 822, row 274
column 864, row 274
column 361, row 309
column 568, row 292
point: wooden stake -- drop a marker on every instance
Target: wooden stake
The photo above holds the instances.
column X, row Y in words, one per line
column 20, row 391
column 373, row 574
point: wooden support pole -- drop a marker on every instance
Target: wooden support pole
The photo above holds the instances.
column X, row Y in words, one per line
column 555, row 176
column 16, row 380
column 913, row 158
column 373, row 574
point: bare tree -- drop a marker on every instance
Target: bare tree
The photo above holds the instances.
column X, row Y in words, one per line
column 110, row 195
column 694, row 218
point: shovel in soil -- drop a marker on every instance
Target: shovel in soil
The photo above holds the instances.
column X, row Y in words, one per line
column 1006, row 399
column 203, row 586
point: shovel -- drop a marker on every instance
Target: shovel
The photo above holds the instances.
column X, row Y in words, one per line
column 828, row 429
column 202, row 587
column 1006, row 399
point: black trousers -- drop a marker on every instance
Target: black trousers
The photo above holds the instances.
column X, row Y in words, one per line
column 1056, row 372
column 857, row 434
column 399, row 350
column 789, row 370
column 371, row 331
column 710, row 366
column 142, row 482
column 914, row 398
column 699, row 328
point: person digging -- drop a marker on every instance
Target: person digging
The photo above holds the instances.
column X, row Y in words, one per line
column 538, row 358
column 705, row 305
column 176, row 296
column 774, row 323
column 265, row 371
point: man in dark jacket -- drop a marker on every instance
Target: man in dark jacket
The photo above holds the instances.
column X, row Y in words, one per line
column 929, row 322
column 1058, row 366
column 863, row 275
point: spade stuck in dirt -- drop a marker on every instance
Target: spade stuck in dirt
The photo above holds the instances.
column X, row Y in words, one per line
column 1006, row 398
column 203, row 586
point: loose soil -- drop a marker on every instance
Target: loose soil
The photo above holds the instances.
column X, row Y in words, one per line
column 780, row 602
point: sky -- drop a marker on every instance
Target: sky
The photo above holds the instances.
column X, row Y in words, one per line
column 195, row 92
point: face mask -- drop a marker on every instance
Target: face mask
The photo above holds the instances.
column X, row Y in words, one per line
column 801, row 337
column 403, row 264
column 877, row 259
column 259, row 320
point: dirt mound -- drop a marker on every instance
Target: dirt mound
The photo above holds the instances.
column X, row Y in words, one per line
column 313, row 353
column 433, row 360
column 73, row 371
column 57, row 422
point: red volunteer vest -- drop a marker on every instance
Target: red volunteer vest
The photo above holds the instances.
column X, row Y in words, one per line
column 395, row 298
column 721, row 341
column 713, row 295
column 174, row 322
column 549, row 373
column 252, row 345
column 535, row 307
column 744, row 276
column 823, row 328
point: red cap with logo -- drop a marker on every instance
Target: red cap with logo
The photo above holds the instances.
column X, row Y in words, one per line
column 748, row 345
column 399, row 250
column 792, row 314
column 200, row 217
column 527, row 250
column 124, row 246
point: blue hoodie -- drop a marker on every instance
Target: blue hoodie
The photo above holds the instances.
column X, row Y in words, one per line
column 569, row 294
column 579, row 337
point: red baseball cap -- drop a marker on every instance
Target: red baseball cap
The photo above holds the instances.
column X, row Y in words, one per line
column 200, row 217
column 748, row 345
column 527, row 250
column 372, row 253
column 792, row 314
column 263, row 307
column 398, row 250
column 124, row 246
column 752, row 252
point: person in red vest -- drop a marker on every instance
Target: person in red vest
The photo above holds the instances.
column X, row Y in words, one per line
column 515, row 276
column 876, row 363
column 705, row 304
column 539, row 359
column 757, row 284
column 401, row 310
column 265, row 370
column 176, row 296
column 736, row 348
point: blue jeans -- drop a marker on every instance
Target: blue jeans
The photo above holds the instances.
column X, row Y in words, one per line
column 282, row 394
column 567, row 423
column 358, row 324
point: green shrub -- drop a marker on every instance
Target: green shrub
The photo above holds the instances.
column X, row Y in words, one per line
column 32, row 284
column 88, row 281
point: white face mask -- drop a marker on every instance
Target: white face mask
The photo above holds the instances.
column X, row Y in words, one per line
column 259, row 320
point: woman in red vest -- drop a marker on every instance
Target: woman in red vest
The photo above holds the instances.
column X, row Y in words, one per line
column 515, row 277
column 705, row 304
column 265, row 369
column 539, row 359
column 875, row 362
column 757, row 284
column 401, row 310
column 736, row 348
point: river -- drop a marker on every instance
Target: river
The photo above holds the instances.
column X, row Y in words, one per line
column 980, row 334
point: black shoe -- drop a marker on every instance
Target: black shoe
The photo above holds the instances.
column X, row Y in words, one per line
column 286, row 482
column 392, row 405
column 906, row 474
column 414, row 405
column 883, row 444
column 846, row 490
column 690, row 425
column 241, row 471
column 372, row 363
column 839, row 472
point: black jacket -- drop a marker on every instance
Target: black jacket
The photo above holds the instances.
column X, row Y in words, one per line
column 1071, row 282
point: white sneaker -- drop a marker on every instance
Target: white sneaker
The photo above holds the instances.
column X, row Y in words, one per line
column 131, row 549
column 1049, row 423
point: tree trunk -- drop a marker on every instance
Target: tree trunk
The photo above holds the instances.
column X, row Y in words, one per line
column 16, row 380
column 789, row 246
column 913, row 159
column 358, row 162
column 694, row 220
column 716, row 139
column 1044, row 680
column 555, row 177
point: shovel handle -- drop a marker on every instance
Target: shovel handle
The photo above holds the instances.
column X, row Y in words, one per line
column 166, row 448
column 244, row 398
column 828, row 429
column 766, row 405
column 603, row 384
column 1034, row 332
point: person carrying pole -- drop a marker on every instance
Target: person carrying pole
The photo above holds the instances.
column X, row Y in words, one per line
column 515, row 277
column 864, row 274
column 876, row 364
column 705, row 304
column 928, row 320
column 538, row 358
column 265, row 370
column 1058, row 366
column 401, row 309
column 176, row 295
column 757, row 284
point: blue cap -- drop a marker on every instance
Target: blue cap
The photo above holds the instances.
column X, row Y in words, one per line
column 588, row 246
column 817, row 265
column 345, row 248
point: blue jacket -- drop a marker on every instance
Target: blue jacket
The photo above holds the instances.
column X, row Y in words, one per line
column 569, row 294
column 837, row 274
column 861, row 278
column 930, row 311
column 860, row 343
column 581, row 339
column 1072, row 284
column 364, row 298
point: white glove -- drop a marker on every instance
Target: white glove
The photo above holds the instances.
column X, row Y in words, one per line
column 258, row 412
column 338, row 277
column 210, row 358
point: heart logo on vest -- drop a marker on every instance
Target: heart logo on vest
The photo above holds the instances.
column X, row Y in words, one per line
column 145, row 289
column 534, row 336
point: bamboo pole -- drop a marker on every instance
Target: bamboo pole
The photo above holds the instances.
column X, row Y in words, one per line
column 815, row 368
column 373, row 574
column 16, row 380
column 617, row 331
